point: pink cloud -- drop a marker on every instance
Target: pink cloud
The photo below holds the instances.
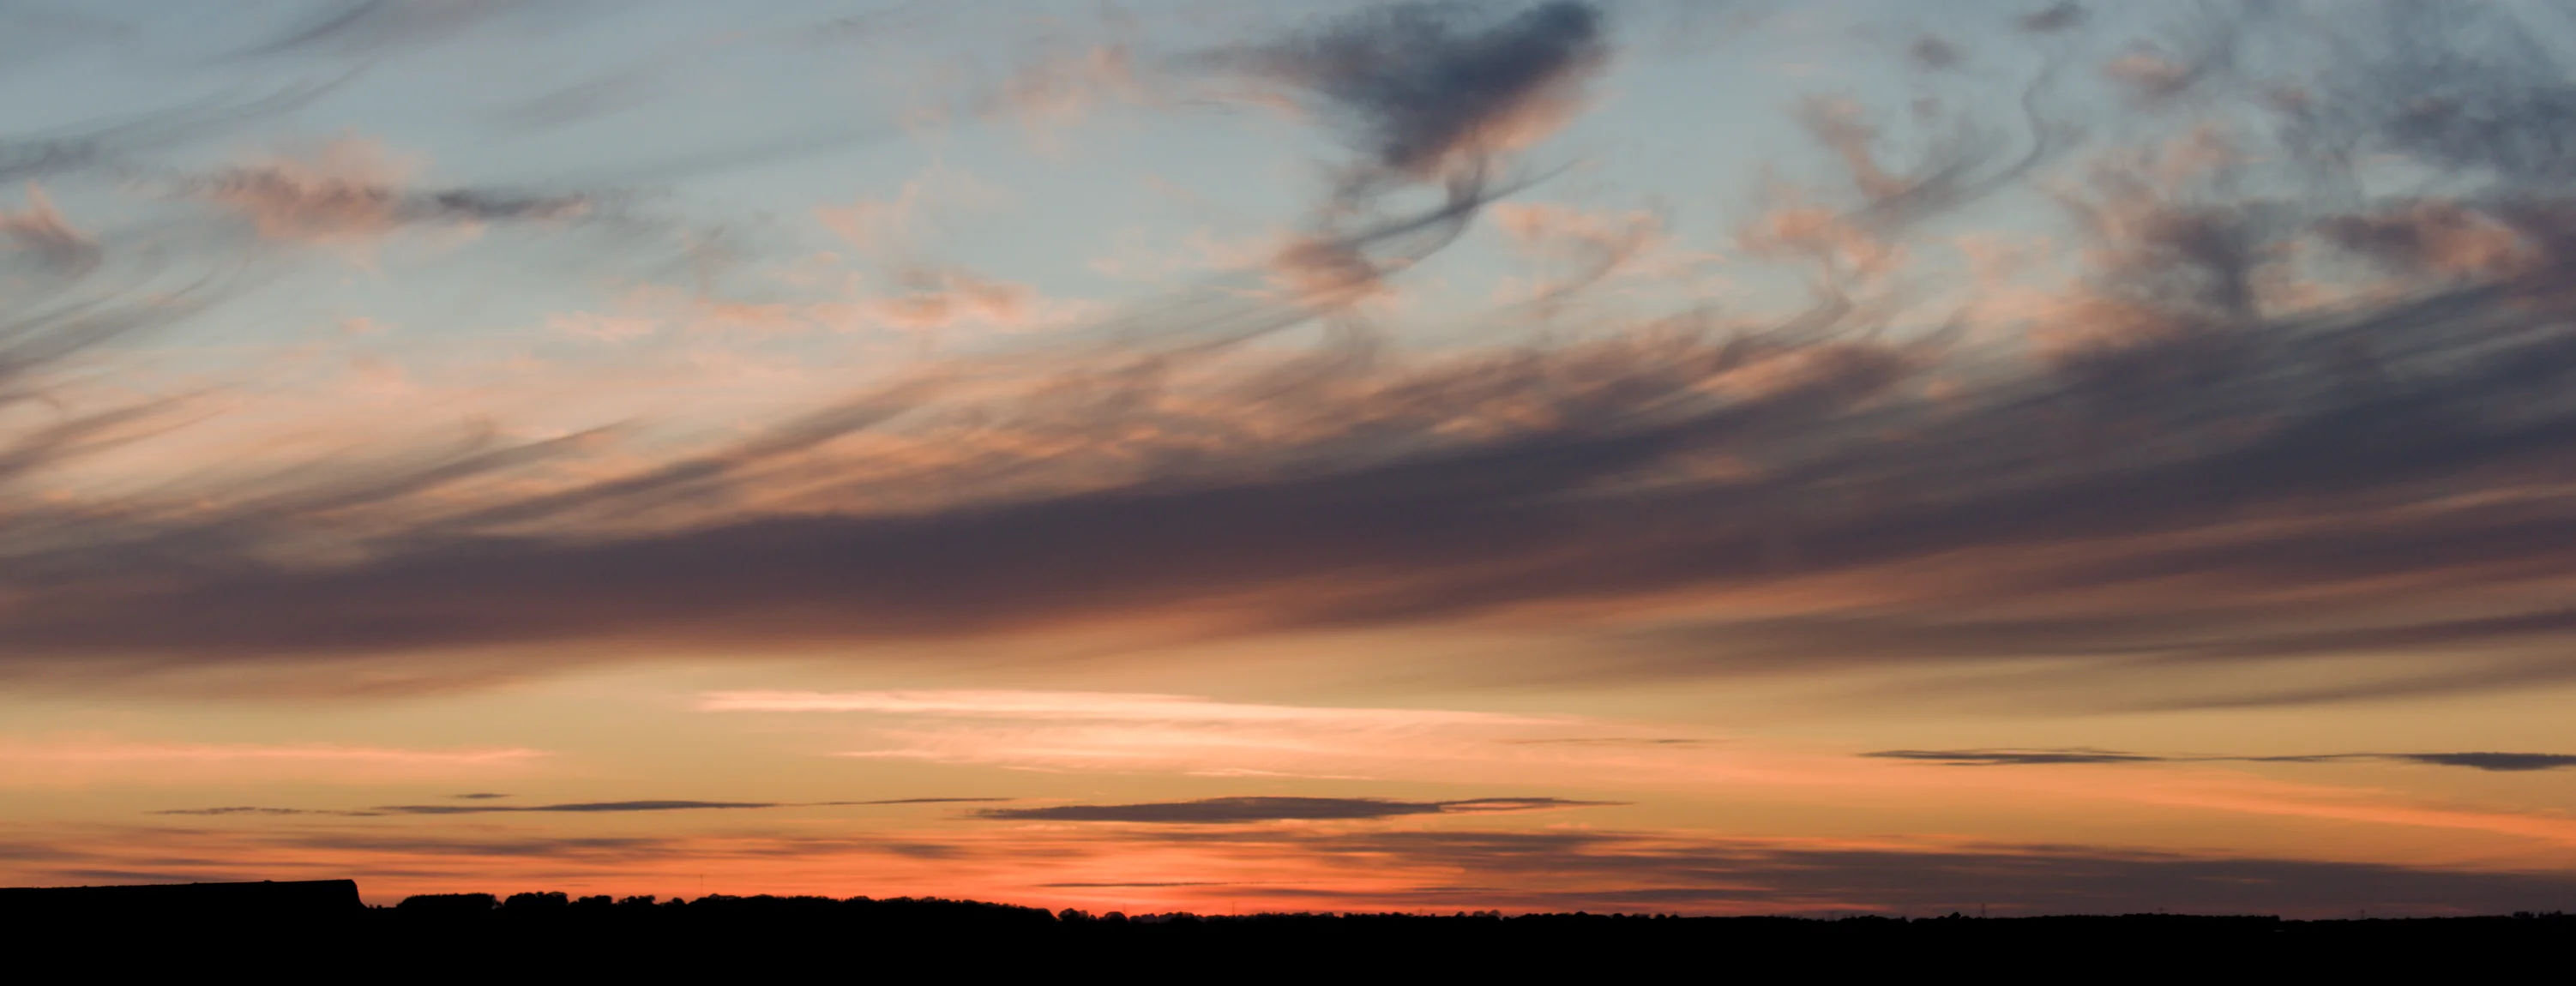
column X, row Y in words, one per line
column 355, row 190
column 40, row 231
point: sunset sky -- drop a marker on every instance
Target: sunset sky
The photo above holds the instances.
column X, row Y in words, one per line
column 1618, row 455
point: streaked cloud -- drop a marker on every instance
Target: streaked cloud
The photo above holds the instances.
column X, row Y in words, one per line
column 2000, row 758
column 1257, row 808
column 988, row 703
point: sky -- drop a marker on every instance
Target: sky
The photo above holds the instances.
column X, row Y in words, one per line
column 1610, row 455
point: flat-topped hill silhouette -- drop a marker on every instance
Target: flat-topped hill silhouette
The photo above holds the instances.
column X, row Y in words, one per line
column 264, row 899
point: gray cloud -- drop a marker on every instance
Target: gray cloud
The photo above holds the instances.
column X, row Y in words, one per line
column 2459, row 89
column 2489, row 761
column 2060, row 16
column 1242, row 810
column 1934, row 53
column 1995, row 758
column 2002, row 758
column 257, row 810
column 371, row 27
column 576, row 808
column 1420, row 85
column 289, row 202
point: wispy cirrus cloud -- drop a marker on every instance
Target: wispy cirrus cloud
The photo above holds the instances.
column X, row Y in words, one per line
column 2231, row 447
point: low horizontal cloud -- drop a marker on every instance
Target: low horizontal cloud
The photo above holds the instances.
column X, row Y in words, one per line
column 1287, row 866
column 1241, row 810
column 568, row 808
column 2487, row 761
column 2003, row 758
column 574, row 808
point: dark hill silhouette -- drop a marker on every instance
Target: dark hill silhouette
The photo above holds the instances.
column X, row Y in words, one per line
column 266, row 899
column 319, row 927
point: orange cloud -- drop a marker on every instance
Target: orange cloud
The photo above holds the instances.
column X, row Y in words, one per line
column 1471, row 864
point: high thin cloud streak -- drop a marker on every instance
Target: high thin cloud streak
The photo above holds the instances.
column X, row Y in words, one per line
column 983, row 703
column 2505, row 762
column 1126, row 732
column 2251, row 431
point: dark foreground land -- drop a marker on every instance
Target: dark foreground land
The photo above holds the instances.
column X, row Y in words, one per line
column 321, row 927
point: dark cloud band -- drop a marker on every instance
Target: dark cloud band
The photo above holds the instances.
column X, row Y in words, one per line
column 2501, row 762
column 483, row 807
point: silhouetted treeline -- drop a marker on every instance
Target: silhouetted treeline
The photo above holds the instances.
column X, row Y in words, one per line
column 474, row 935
